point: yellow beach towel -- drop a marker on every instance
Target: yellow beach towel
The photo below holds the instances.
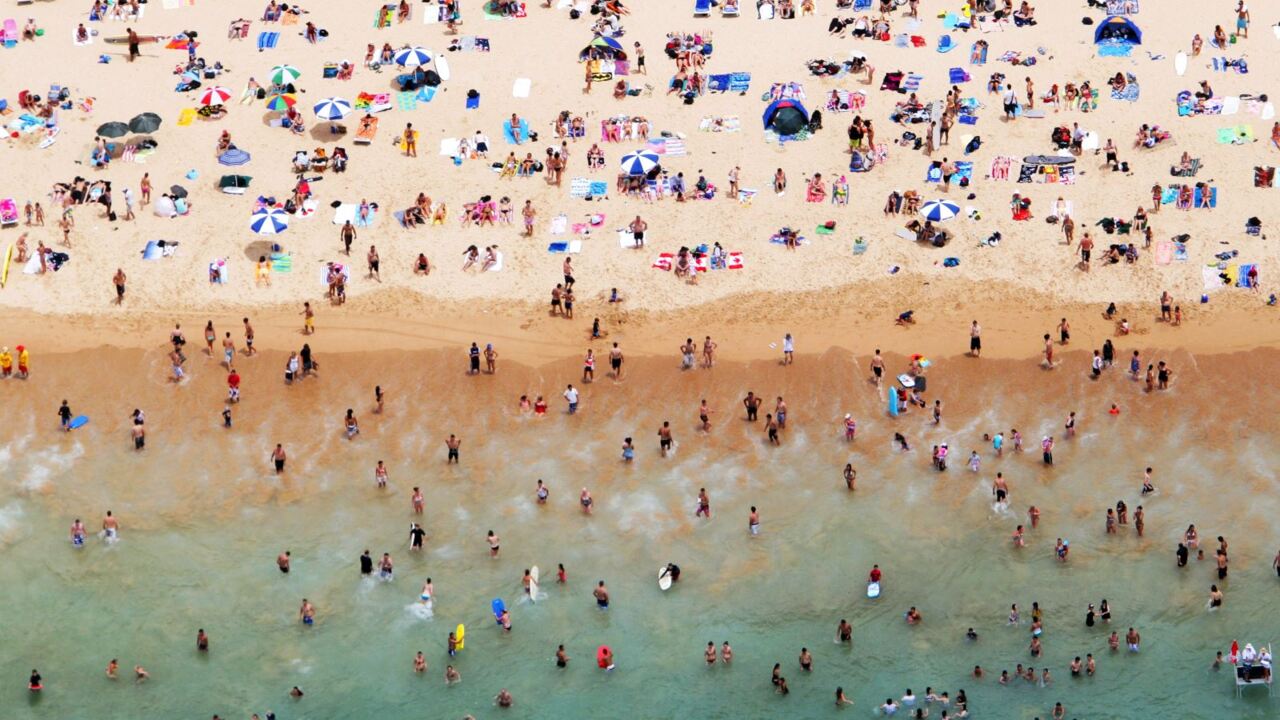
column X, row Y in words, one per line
column 186, row 117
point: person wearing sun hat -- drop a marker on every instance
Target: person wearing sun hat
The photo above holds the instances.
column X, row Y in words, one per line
column 24, row 358
column 6, row 362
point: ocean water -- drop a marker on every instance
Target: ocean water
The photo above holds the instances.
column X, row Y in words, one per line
column 203, row 519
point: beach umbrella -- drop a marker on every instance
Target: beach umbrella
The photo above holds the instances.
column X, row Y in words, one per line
column 215, row 96
column 939, row 210
column 272, row 221
column 113, row 129
column 284, row 74
column 412, row 57
column 177, row 191
column 333, row 108
column 639, row 162
column 234, row 156
column 281, row 102
column 145, row 123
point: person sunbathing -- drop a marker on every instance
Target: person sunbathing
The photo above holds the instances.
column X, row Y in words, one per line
column 413, row 217
column 82, row 35
column 440, row 214
column 490, row 258
column 472, row 254
column 224, row 142
column 817, row 190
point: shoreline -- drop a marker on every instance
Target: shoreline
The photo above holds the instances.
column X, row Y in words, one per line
column 744, row 326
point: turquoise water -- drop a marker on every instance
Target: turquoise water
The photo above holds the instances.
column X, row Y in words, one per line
column 204, row 518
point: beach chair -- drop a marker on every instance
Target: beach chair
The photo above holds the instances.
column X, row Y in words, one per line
column 367, row 131
column 730, row 8
column 9, row 34
column 701, row 8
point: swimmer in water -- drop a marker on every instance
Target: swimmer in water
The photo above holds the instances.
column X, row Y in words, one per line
column 428, row 591
column 77, row 533
column 451, row 675
column 307, row 612
column 110, row 528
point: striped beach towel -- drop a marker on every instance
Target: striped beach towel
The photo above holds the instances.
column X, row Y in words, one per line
column 267, row 39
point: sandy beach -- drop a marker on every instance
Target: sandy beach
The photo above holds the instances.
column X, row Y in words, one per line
column 204, row 517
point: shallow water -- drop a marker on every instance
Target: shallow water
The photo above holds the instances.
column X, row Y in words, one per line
column 204, row 518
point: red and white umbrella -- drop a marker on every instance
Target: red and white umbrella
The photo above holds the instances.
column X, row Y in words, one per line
column 215, row 96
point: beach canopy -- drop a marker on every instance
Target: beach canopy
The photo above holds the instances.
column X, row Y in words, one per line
column 333, row 108
column 272, row 221
column 639, row 162
column 234, row 181
column 233, row 156
column 785, row 117
column 939, row 210
column 214, row 96
column 113, row 129
column 145, row 123
column 605, row 47
column 281, row 102
column 284, row 74
column 1118, row 28
column 412, row 57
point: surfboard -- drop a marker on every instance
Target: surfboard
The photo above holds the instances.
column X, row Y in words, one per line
column 442, row 67
column 533, row 584
column 906, row 380
column 873, row 590
column 78, row 421
column 498, row 608
column 892, row 395
column 8, row 260
column 458, row 635
column 1180, row 64
column 664, row 579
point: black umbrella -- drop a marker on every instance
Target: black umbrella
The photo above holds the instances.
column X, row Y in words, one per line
column 178, row 191
column 113, row 129
column 145, row 123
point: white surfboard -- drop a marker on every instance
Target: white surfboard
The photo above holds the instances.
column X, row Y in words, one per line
column 442, row 66
column 873, row 590
column 1180, row 63
column 664, row 579
column 533, row 584
column 1268, row 111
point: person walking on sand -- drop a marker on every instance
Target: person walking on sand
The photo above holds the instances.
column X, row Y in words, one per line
column 410, row 141
column 529, row 214
column 278, row 457
column 615, row 361
column 453, row 443
column 119, row 281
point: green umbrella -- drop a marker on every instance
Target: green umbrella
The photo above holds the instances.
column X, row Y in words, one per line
column 284, row 74
column 113, row 130
column 145, row 123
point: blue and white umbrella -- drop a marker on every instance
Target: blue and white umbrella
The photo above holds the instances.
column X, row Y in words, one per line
column 234, row 156
column 939, row 210
column 639, row 162
column 269, row 222
column 412, row 57
column 333, row 108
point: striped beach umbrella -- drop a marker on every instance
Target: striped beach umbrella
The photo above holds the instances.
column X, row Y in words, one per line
column 272, row 221
column 281, row 102
column 639, row 162
column 412, row 57
column 333, row 108
column 284, row 74
column 234, row 156
column 939, row 210
column 214, row 96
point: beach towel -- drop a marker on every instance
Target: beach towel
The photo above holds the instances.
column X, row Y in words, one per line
column 218, row 271
column 990, row 26
column 726, row 123
column 599, row 189
column 351, row 211
column 1180, row 251
column 267, row 39
column 407, row 100
column 912, row 82
column 344, row 270
column 1238, row 135
column 671, row 147
column 569, row 247
column 1114, row 48
column 627, row 239
column 946, row 44
column 957, row 75
column 1211, row 277
column 801, row 240
column 1164, row 252
column 579, row 187
column 281, row 262
column 1243, row 280
column 859, row 246
column 735, row 260
column 846, row 101
column 473, row 102
column 1199, row 201
column 497, row 262
column 521, row 87
column 510, row 136
column 1130, row 92
column 559, row 224
column 824, row 230
column 88, row 39
column 186, row 117
column 663, row 261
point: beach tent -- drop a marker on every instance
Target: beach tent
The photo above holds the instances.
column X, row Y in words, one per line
column 603, row 47
column 1118, row 28
column 785, row 117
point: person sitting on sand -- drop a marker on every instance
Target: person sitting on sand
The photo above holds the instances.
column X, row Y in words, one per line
column 422, row 266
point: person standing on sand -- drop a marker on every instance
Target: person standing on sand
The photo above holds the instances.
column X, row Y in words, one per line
column 664, row 438
column 529, row 214
column 975, row 340
column 308, row 319
column 1048, row 350
column 453, row 443
column 348, row 235
column 134, row 52
column 490, row 358
column 615, row 361
column 119, row 280
column 708, row 353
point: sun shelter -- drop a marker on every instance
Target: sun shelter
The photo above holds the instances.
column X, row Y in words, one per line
column 786, row 117
column 606, row 57
column 1047, row 169
column 1118, row 28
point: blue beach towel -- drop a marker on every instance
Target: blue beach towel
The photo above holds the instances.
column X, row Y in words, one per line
column 426, row 94
column 511, row 138
column 945, row 44
column 267, row 40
